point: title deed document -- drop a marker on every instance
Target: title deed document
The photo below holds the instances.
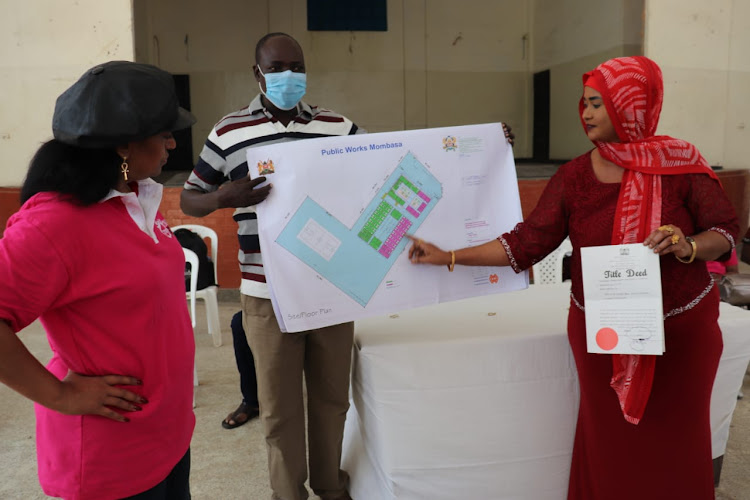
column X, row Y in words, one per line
column 622, row 290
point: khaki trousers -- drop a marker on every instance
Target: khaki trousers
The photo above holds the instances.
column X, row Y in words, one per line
column 324, row 356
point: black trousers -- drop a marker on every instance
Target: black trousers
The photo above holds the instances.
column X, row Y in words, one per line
column 245, row 362
column 175, row 487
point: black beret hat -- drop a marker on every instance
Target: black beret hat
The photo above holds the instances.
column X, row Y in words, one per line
column 118, row 102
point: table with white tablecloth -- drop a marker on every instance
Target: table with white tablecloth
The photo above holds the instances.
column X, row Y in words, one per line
column 478, row 398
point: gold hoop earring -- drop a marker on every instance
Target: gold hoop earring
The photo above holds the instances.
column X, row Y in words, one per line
column 124, row 168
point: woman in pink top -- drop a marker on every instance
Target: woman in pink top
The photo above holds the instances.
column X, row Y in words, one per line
column 89, row 255
column 718, row 268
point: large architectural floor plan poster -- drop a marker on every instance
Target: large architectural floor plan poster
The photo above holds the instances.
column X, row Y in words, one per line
column 357, row 259
column 332, row 229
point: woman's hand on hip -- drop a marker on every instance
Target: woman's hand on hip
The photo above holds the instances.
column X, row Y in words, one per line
column 669, row 239
column 84, row 395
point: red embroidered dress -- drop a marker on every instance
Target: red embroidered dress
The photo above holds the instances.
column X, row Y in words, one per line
column 668, row 454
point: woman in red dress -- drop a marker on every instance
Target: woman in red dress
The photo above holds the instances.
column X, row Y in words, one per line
column 643, row 424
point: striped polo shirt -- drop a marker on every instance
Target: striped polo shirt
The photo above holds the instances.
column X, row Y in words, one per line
column 223, row 159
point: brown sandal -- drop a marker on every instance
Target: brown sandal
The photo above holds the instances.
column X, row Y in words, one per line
column 242, row 415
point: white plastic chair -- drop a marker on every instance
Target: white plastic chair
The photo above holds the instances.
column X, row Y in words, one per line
column 208, row 294
column 192, row 259
column 549, row 270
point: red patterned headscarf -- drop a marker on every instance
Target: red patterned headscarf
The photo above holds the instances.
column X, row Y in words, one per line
column 632, row 91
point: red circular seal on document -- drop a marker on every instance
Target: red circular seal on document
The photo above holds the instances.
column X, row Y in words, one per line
column 606, row 338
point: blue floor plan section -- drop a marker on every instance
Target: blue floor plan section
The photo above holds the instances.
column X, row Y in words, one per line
column 357, row 259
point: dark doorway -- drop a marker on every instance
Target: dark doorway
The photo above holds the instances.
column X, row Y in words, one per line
column 181, row 158
column 541, row 115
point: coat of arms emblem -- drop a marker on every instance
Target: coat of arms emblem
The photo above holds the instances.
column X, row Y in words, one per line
column 265, row 167
column 450, row 143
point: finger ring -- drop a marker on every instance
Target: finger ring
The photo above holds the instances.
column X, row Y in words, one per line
column 675, row 239
column 669, row 229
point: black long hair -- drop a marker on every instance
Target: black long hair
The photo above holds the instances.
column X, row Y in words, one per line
column 84, row 175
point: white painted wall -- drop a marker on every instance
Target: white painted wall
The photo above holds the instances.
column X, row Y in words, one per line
column 565, row 31
column 45, row 46
column 705, row 58
column 440, row 62
column 569, row 38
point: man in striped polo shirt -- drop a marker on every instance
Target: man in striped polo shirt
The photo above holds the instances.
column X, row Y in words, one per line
column 220, row 180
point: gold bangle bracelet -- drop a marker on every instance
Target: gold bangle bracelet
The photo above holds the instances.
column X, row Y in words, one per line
column 692, row 256
column 453, row 261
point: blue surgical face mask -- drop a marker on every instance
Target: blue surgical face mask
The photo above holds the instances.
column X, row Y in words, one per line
column 284, row 89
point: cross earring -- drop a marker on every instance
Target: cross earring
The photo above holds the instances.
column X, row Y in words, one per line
column 124, row 168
